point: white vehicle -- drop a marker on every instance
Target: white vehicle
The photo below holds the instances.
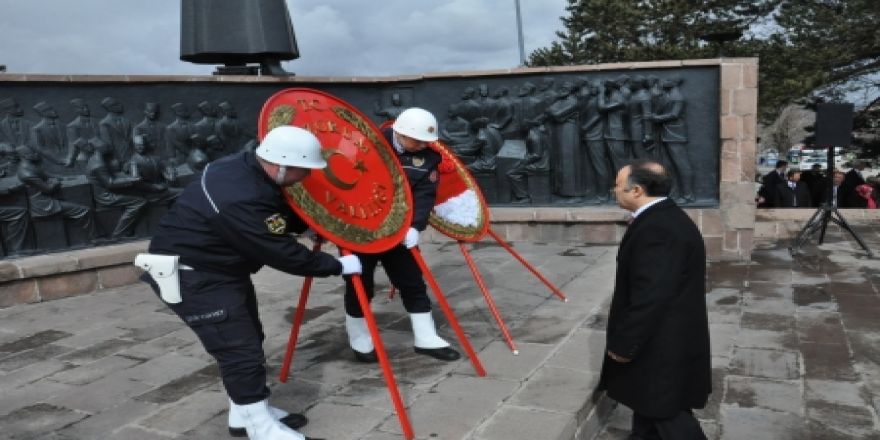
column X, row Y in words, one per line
column 813, row 157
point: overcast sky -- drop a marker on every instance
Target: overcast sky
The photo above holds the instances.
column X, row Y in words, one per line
column 335, row 37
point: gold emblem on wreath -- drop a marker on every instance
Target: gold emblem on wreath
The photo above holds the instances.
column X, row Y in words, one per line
column 281, row 115
column 276, row 224
column 418, row 161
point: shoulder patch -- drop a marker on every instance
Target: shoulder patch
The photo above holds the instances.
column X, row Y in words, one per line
column 276, row 224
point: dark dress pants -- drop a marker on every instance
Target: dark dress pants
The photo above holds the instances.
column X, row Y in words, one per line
column 222, row 311
column 682, row 426
column 403, row 272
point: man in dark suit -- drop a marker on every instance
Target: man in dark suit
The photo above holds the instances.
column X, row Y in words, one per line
column 815, row 181
column 657, row 342
column 769, row 183
column 853, row 178
column 793, row 193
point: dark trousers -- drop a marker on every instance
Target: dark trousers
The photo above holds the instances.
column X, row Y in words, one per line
column 682, row 426
column 81, row 216
column 16, row 221
column 599, row 161
column 404, row 273
column 681, row 164
column 222, row 311
column 130, row 214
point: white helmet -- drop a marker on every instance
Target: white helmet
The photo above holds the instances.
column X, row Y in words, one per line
column 291, row 146
column 417, row 123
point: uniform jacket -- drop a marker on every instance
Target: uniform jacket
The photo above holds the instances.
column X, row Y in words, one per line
column 237, row 223
column 671, row 118
column 116, row 131
column 658, row 316
column 421, row 173
column 15, row 131
column 104, row 181
column 40, row 189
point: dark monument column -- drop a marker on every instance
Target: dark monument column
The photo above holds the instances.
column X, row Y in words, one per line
column 237, row 32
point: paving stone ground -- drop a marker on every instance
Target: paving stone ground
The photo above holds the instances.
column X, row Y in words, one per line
column 796, row 354
column 795, row 345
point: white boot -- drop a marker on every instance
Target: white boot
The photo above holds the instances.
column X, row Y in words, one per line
column 358, row 334
column 261, row 425
column 236, row 420
column 424, row 332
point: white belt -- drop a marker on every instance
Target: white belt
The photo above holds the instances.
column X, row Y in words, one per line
column 184, row 267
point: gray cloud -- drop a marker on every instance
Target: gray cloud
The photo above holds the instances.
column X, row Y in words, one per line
column 336, row 38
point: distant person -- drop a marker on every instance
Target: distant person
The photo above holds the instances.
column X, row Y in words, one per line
column 836, row 183
column 793, row 193
column 852, row 179
column 867, row 193
column 814, row 178
column 658, row 360
column 769, row 183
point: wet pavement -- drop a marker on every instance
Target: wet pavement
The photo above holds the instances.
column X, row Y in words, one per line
column 795, row 345
column 795, row 341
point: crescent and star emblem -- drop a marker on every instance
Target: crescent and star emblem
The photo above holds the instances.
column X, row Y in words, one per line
column 327, row 153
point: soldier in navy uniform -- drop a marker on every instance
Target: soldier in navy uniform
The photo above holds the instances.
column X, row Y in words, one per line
column 43, row 192
column 409, row 135
column 223, row 228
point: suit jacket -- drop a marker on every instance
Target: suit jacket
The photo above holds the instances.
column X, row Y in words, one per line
column 768, row 186
column 849, row 197
column 785, row 197
column 658, row 316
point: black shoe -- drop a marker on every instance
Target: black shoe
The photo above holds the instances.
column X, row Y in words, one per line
column 366, row 358
column 447, row 354
column 292, row 421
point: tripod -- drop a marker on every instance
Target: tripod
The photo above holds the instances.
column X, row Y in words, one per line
column 827, row 212
column 819, row 223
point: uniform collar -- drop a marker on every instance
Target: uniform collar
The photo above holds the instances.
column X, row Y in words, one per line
column 396, row 144
column 251, row 160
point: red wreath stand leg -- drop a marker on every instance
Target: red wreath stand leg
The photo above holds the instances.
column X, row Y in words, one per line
column 387, row 373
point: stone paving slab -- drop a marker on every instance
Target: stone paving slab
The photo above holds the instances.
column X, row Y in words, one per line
column 795, row 345
column 117, row 364
column 795, row 341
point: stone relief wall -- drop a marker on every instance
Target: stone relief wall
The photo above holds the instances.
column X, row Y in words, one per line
column 93, row 162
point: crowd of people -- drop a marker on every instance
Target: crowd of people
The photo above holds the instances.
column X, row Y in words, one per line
column 792, row 188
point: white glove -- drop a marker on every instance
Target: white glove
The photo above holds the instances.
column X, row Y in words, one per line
column 412, row 238
column 350, row 264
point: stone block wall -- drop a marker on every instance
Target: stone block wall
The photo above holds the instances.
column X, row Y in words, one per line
column 52, row 276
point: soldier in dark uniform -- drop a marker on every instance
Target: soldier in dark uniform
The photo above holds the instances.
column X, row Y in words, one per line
column 229, row 128
column 42, row 193
column 225, row 227
column 152, row 128
column 79, row 131
column 207, row 126
column 115, row 130
column 409, row 135
column 49, row 137
column 105, row 182
column 154, row 174
column 15, row 219
column 178, row 133
column 14, row 128
column 536, row 159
